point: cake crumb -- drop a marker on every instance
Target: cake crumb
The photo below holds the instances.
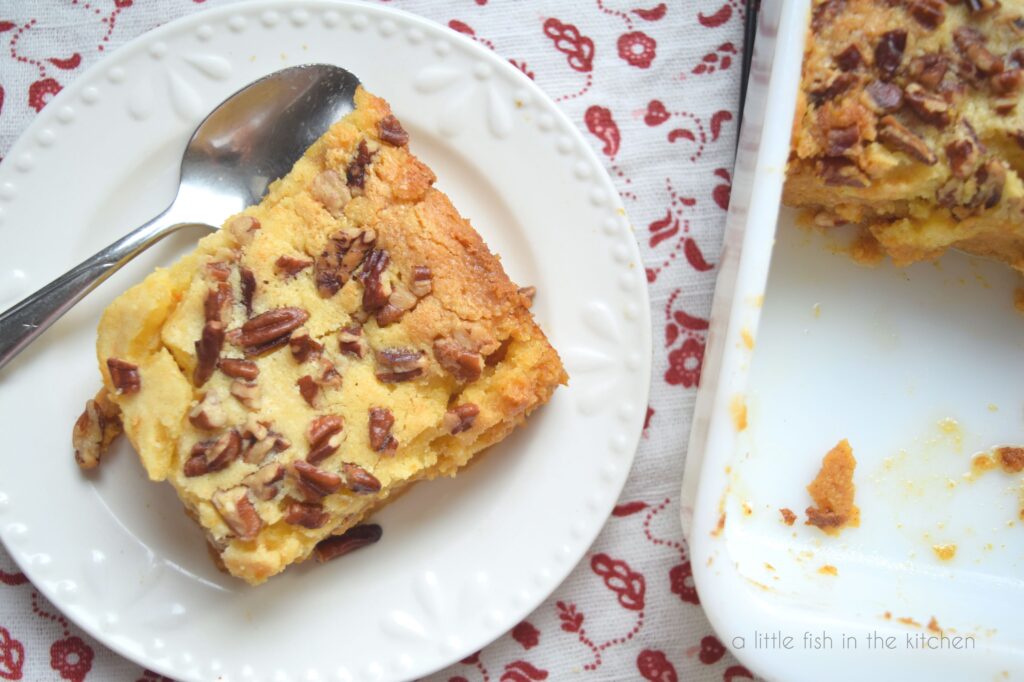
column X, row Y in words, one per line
column 833, row 490
column 828, row 569
column 1011, row 459
column 944, row 552
column 788, row 517
column 933, row 625
column 866, row 250
column 748, row 338
column 719, row 527
column 906, row 620
column 738, row 407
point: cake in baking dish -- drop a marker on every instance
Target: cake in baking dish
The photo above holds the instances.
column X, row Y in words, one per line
column 346, row 337
column 909, row 122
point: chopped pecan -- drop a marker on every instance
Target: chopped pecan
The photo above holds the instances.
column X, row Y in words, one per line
column 344, row 252
column 529, row 293
column 264, row 483
column 95, row 428
column 217, row 304
column 247, row 284
column 306, row 514
column 239, row 369
column 462, row 362
column 214, row 454
column 841, row 172
column 838, row 140
column 324, row 436
column 971, row 42
column 309, row 389
column 381, row 421
column 422, row 281
column 208, row 414
column 358, row 479
column 399, row 303
column 258, row 441
column 897, row 136
column 242, row 228
column 271, row 329
column 331, row 191
column 825, row 12
column 399, row 364
column 356, row 171
column 375, row 292
column 303, row 346
column 990, row 178
column 218, row 270
column 849, row 59
column 237, row 511
column 208, row 351
column 889, row 52
column 1007, row 86
column 392, row 132
column 289, row 266
column 1011, row 459
column 929, row 107
column 124, row 376
column 498, row 354
column 460, row 418
column 885, row 96
column 314, row 483
column 928, row 69
column 824, row 519
column 928, row 13
column 330, row 377
column 354, row 538
column 963, row 157
column 838, row 86
column 350, row 341
column 982, row 6
column 247, row 393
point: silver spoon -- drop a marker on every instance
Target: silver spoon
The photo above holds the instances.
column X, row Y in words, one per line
column 253, row 138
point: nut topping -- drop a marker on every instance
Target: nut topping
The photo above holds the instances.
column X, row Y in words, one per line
column 838, row 86
column 971, row 43
column 271, row 329
column 889, row 52
column 422, row 281
column 97, row 426
column 309, row 389
column 356, row 171
column 399, row 302
column 307, row 515
column 460, row 418
column 529, row 293
column 259, row 441
column 324, row 436
column 344, row 252
column 885, row 96
column 838, row 140
column 264, row 482
column 849, row 59
column 399, row 364
column 217, row 304
column 208, row 351
column 381, row 421
column 124, row 376
column 247, row 393
column 314, row 483
column 218, row 270
column 331, row 191
column 375, row 292
column 289, row 266
column 929, row 108
column 237, row 511
column 392, row 132
column 242, row 228
column 330, row 377
column 897, row 136
column 208, row 414
column 982, row 6
column 928, row 69
column 963, row 157
column 841, row 172
column 214, row 454
column 350, row 341
column 354, row 538
column 990, row 177
column 303, row 346
column 358, row 479
column 239, row 369
column 928, row 13
column 247, row 284
column 464, row 363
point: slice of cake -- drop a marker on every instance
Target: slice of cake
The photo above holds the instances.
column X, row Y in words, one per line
column 348, row 336
column 910, row 123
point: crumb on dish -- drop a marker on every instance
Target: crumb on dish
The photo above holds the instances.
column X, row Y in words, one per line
column 833, row 491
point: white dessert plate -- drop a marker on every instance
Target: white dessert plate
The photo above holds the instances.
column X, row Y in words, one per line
column 462, row 560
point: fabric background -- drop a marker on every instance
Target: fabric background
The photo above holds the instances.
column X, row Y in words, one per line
column 654, row 87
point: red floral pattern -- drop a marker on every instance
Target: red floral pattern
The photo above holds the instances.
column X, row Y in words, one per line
column 652, row 85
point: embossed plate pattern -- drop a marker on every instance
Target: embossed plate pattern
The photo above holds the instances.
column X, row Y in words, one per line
column 462, row 560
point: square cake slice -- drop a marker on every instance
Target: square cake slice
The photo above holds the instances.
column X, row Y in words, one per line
column 910, row 123
column 346, row 337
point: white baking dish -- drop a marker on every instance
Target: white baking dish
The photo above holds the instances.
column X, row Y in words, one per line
column 920, row 368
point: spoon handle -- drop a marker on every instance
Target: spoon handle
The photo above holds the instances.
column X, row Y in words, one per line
column 21, row 324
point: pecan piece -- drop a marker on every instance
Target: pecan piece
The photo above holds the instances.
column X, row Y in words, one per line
column 422, row 281
column 247, row 284
column 306, row 514
column 358, row 479
column 375, row 293
column 971, row 42
column 849, row 59
column 399, row 364
column 237, row 511
column 963, row 157
column 96, row 427
column 838, row 86
column 354, row 538
column 462, row 362
column 217, row 304
column 928, row 13
column 356, row 171
column 838, row 140
column 271, row 329
column 239, row 369
column 208, row 351
column 344, row 252
column 460, row 418
column 329, row 376
column 982, row 6
column 289, row 266
column 331, row 191
column 392, row 132
column 841, row 172
column 208, row 414
column 889, row 52
column 898, row 137
column 218, row 270
column 399, row 303
column 990, row 178
column 381, row 439
column 350, row 341
column 929, row 108
column 242, row 228
column 214, row 454
column 314, row 483
column 124, row 376
column 259, row 441
column 308, row 389
column 303, row 346
column 324, row 436
column 928, row 69
column 247, row 393
column 885, row 96
column 529, row 293
column 264, row 483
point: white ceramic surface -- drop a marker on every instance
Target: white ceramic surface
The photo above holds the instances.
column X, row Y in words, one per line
column 461, row 560
column 920, row 368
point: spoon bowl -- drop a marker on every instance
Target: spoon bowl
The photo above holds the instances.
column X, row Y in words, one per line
column 252, row 138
